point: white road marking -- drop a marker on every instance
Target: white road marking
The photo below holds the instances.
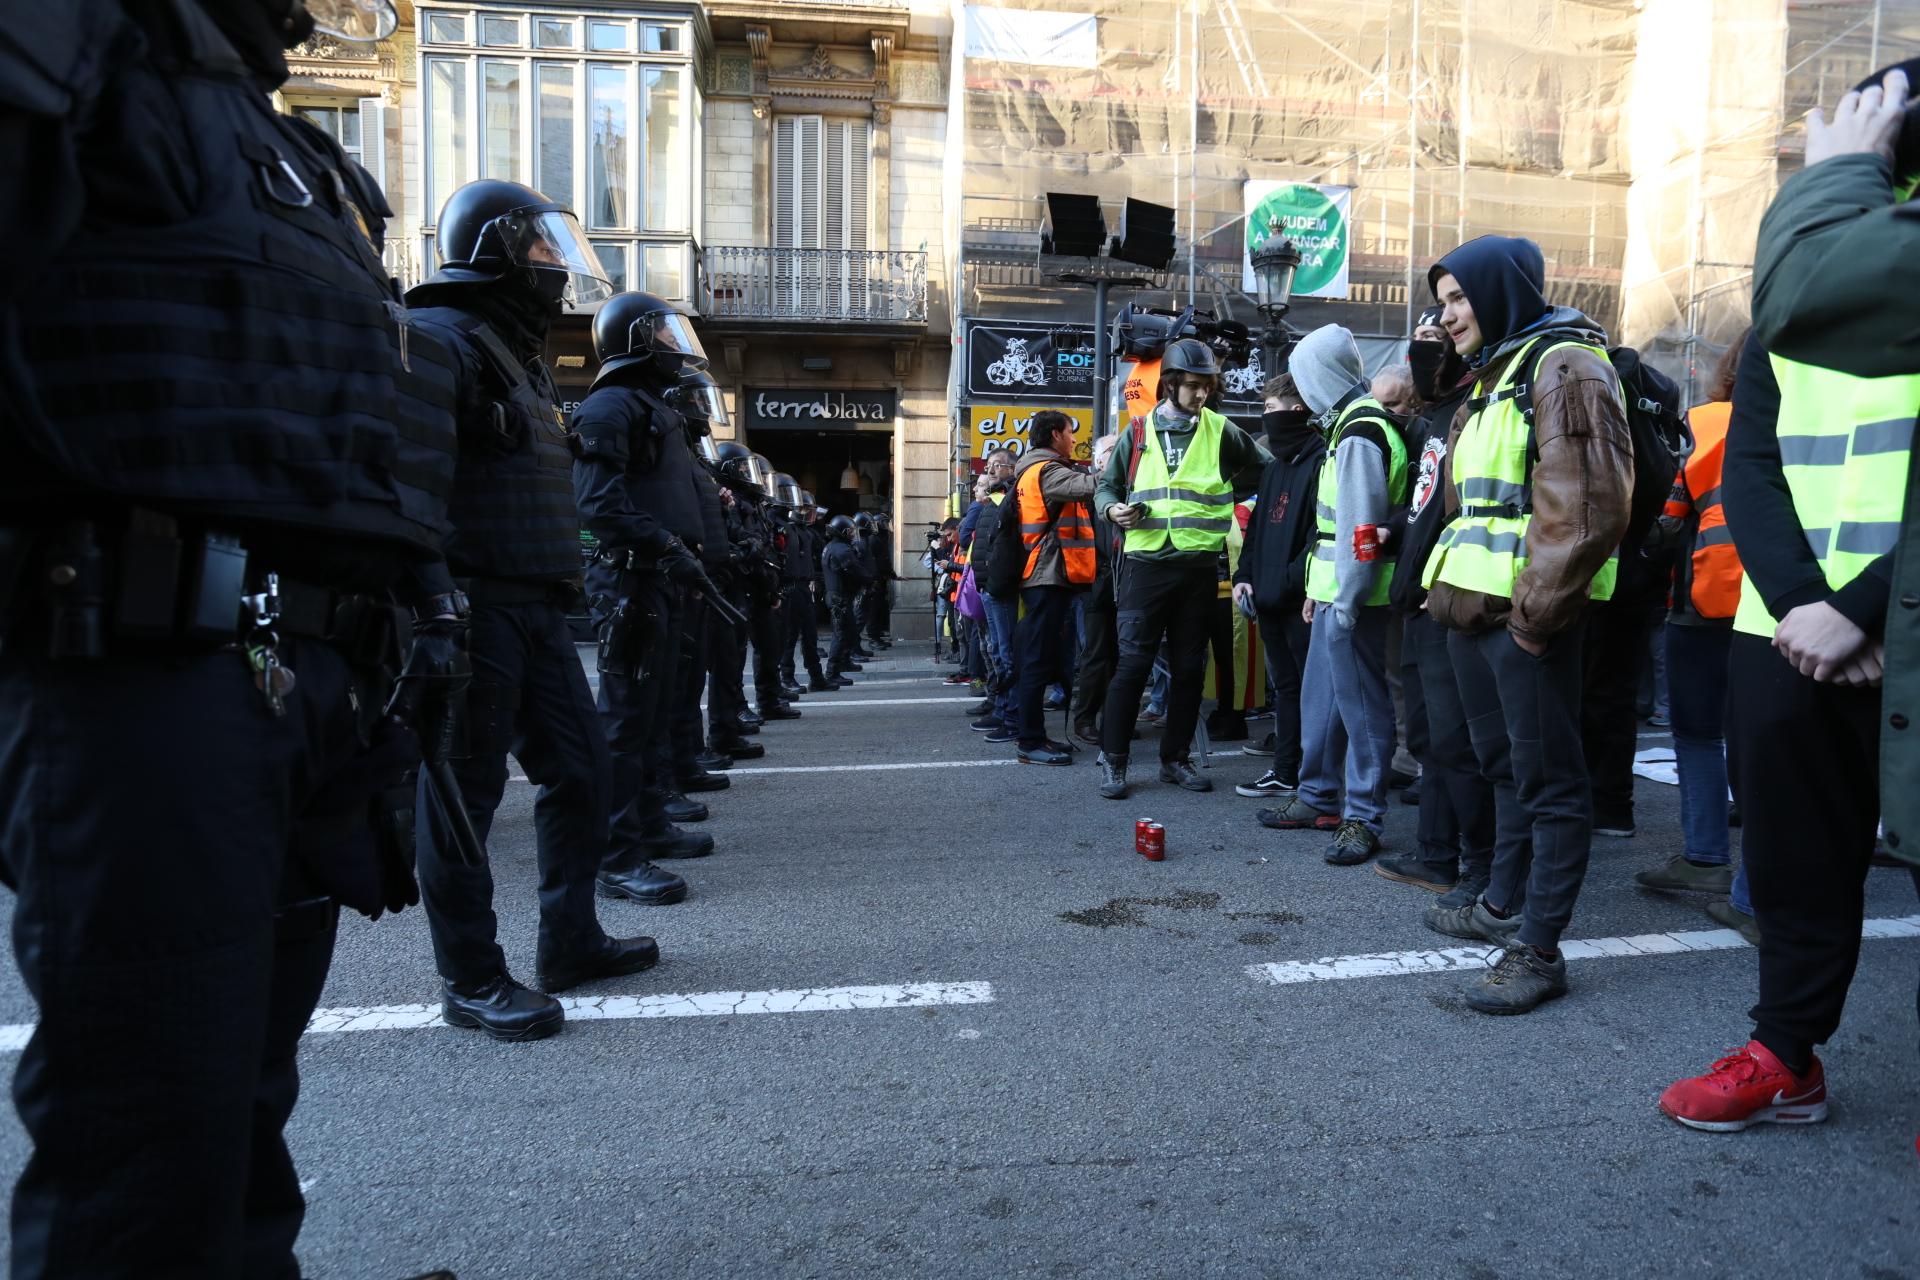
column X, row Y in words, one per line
column 871, row 768
column 1391, row 964
column 706, row 1004
column 950, row 701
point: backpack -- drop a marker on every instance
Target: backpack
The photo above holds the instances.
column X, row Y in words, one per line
column 999, row 557
column 1661, row 438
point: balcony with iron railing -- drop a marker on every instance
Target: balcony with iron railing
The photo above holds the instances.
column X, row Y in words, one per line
column 770, row 289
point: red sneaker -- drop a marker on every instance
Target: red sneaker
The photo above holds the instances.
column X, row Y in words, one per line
column 1749, row 1086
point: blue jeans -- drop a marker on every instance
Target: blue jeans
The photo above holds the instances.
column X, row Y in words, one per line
column 1697, row 692
column 1346, row 717
column 1159, row 682
column 1001, row 615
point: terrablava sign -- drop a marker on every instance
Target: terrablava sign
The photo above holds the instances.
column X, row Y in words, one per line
column 820, row 408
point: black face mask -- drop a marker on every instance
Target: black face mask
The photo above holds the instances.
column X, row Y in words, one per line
column 1436, row 367
column 1286, row 428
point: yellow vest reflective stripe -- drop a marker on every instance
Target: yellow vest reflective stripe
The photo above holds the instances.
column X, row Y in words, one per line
column 1844, row 445
column 1193, row 506
column 1322, row 582
column 1485, row 547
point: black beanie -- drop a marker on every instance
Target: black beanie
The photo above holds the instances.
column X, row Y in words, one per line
column 1906, row 147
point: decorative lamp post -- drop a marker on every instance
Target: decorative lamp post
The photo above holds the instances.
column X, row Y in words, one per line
column 1274, row 261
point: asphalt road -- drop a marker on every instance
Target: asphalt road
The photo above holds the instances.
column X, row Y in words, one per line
column 1073, row 1072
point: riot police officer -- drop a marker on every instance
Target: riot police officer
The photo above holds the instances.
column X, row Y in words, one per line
column 221, row 458
column 633, row 480
column 755, row 591
column 764, row 589
column 791, row 513
column 842, row 571
column 510, row 261
column 879, row 593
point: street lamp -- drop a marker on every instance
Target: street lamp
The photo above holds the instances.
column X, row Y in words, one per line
column 1274, row 262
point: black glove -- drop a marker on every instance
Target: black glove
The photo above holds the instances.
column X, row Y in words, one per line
column 430, row 694
column 683, row 567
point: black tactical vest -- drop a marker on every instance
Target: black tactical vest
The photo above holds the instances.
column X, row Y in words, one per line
column 713, row 543
column 513, row 517
column 666, row 489
column 234, row 350
column 797, row 566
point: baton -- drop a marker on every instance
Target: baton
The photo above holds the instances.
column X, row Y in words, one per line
column 447, row 821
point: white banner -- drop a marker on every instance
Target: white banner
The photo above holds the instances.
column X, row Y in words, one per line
column 1033, row 36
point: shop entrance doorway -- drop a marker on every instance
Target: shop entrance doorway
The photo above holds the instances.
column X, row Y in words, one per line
column 819, row 461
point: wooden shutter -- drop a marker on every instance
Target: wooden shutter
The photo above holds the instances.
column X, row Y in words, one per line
column 373, row 141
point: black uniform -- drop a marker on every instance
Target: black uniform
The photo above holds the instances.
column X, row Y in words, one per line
column 763, row 590
column 634, row 484
column 515, row 550
column 697, row 620
column 841, row 567
column 726, row 644
column 192, row 331
column 798, row 573
column 879, row 622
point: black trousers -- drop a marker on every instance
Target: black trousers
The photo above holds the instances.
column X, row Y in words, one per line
column 1093, row 669
column 802, row 629
column 684, row 739
column 150, row 808
column 1615, row 655
column 1220, row 641
column 1041, row 640
column 1456, row 803
column 1284, row 635
column 1156, row 598
column 879, row 609
column 1523, row 714
column 524, row 663
column 1809, row 788
column 632, row 714
column 726, row 665
column 765, row 621
column 846, row 633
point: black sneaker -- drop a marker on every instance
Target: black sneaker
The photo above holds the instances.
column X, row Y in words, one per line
column 1183, row 774
column 1353, row 843
column 1473, row 922
column 1003, row 734
column 1406, row 868
column 1687, row 877
column 1465, row 892
column 987, row 724
column 1520, row 981
column 1264, row 747
column 1268, row 784
column 984, row 707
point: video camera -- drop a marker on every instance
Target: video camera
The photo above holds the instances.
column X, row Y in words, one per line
column 1142, row 333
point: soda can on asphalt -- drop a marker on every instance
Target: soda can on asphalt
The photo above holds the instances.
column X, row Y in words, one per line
column 1140, row 826
column 1154, row 849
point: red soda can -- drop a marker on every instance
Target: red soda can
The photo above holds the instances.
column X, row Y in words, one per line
column 1366, row 542
column 1140, row 826
column 1155, row 848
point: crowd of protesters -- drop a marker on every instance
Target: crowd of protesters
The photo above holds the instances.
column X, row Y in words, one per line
column 1466, row 557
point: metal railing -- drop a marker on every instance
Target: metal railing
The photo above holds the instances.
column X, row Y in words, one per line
column 744, row 282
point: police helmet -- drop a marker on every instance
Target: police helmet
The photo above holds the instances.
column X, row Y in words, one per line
column 743, row 464
column 863, row 522
column 787, row 491
column 709, row 450
column 492, row 230
column 840, row 527
column 699, row 401
column 640, row 329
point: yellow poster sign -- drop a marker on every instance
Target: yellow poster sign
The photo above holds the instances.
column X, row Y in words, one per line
column 1005, row 426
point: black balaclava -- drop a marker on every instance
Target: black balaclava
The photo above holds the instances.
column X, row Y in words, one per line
column 262, row 31
column 1287, row 429
column 1435, row 365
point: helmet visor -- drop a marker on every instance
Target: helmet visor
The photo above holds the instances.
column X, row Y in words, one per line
column 552, row 240
column 709, row 450
column 357, row 20
column 699, row 398
column 760, row 472
column 671, row 333
column 787, row 490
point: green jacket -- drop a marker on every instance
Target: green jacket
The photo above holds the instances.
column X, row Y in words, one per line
column 1240, row 457
column 1835, row 283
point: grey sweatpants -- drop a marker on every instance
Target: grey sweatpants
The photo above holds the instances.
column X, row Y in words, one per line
column 1346, row 716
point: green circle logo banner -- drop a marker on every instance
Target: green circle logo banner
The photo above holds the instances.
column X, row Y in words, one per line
column 1317, row 224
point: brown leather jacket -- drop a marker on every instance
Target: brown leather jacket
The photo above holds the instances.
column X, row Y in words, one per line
column 1582, row 489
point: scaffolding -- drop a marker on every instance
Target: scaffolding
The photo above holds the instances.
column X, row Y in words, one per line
column 1638, row 141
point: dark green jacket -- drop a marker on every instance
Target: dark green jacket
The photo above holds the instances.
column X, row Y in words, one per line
column 1836, row 283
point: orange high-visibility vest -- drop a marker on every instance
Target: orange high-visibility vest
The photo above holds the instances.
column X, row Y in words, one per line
column 1715, row 589
column 1074, row 529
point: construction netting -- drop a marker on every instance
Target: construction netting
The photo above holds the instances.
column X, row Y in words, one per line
column 1638, row 141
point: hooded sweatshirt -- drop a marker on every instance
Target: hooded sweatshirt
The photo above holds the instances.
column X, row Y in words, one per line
column 1582, row 475
column 1326, row 368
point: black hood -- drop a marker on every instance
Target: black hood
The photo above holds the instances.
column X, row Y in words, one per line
column 1504, row 278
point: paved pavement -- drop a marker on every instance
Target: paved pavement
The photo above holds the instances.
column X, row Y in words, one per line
column 1062, row 1060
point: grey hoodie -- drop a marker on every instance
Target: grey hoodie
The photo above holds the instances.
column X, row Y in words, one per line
column 1326, row 367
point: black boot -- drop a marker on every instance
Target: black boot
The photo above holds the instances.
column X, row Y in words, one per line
column 669, row 841
column 680, row 809
column 616, row 957
column 711, row 760
column 740, row 728
column 790, row 690
column 778, row 711
column 739, row 748
column 747, row 716
column 502, row 1008
column 644, row 883
column 704, row 781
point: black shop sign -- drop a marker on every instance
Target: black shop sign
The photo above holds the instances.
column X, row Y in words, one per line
column 1010, row 360
column 820, row 409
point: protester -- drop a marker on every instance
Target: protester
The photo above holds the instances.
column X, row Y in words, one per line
column 1273, row 571
column 1816, row 495
column 1099, row 648
column 1537, row 505
column 1346, row 717
column 1169, row 485
column 1056, row 532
